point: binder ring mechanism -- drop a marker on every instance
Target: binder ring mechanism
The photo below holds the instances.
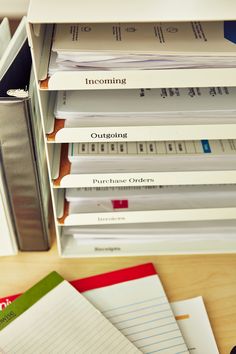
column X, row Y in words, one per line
column 19, row 93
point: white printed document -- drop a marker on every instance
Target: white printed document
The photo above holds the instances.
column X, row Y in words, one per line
column 124, row 107
column 144, row 163
column 195, row 326
column 152, row 156
column 102, row 200
column 142, row 115
column 112, row 46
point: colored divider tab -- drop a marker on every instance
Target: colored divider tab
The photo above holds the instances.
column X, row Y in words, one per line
column 120, row 204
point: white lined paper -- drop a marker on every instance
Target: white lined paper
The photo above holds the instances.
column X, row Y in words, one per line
column 140, row 310
column 61, row 322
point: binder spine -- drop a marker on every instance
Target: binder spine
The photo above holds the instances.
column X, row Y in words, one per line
column 22, row 175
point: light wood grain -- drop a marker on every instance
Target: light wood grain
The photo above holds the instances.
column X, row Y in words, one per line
column 212, row 276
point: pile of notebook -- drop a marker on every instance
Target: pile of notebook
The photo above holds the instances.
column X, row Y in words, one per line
column 124, row 311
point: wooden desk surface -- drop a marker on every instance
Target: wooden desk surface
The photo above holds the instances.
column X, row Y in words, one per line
column 212, row 276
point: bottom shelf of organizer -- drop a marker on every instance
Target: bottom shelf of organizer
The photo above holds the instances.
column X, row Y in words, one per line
column 148, row 239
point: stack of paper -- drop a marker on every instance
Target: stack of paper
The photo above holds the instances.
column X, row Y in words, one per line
column 136, row 115
column 209, row 234
column 139, row 205
column 192, row 164
column 142, row 46
column 101, row 200
column 184, row 230
column 126, row 106
column 133, row 302
column 132, row 115
column 152, row 156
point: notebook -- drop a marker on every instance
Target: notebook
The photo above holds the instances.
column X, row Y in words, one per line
column 104, row 290
column 134, row 300
column 53, row 317
column 188, row 313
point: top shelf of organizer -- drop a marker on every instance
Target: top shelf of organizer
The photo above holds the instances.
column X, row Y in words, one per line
column 92, row 11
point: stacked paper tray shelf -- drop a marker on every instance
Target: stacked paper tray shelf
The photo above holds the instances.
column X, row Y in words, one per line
column 153, row 10
column 143, row 239
column 139, row 115
column 137, row 164
column 112, row 206
column 122, row 79
column 41, row 22
column 209, row 210
column 162, row 229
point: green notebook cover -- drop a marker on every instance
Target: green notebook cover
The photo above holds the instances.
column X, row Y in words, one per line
column 30, row 297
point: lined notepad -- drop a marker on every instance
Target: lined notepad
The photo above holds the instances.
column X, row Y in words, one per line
column 134, row 300
column 188, row 313
column 62, row 321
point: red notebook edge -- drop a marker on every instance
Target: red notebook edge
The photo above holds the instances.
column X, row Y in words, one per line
column 101, row 280
column 114, row 277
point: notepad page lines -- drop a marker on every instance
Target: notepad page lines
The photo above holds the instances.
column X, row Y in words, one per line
column 76, row 326
column 16, row 346
column 150, row 325
column 47, row 344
